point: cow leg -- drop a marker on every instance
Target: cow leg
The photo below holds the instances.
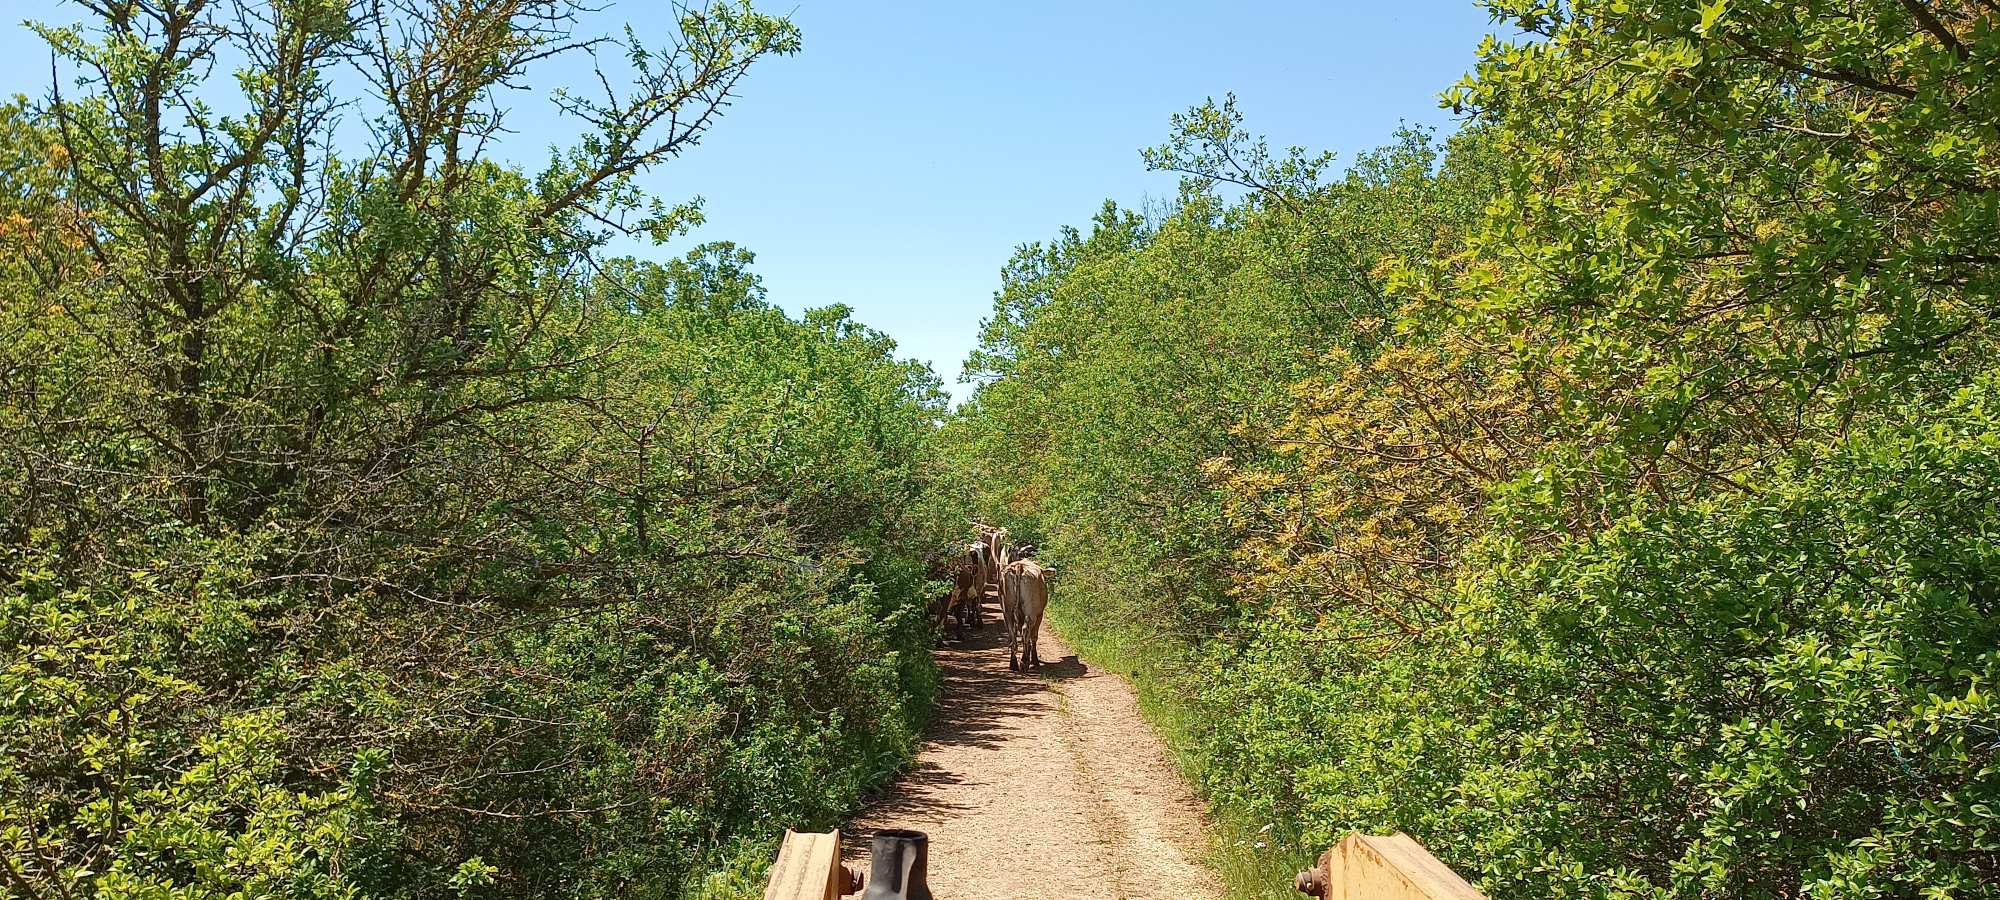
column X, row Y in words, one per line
column 1013, row 633
column 1034, row 636
column 1008, row 618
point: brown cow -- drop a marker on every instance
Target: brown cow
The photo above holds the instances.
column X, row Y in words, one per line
column 940, row 611
column 967, row 600
column 979, row 561
column 1017, row 552
column 1024, row 596
column 1013, row 553
column 994, row 540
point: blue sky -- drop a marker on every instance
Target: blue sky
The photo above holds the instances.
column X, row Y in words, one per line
column 895, row 163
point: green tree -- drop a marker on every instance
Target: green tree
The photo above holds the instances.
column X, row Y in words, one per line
column 367, row 532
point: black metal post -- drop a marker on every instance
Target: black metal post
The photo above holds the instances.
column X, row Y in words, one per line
column 898, row 859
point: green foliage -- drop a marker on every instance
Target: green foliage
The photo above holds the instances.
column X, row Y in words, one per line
column 393, row 542
column 1119, row 363
column 1747, row 220
column 1738, row 697
column 120, row 780
column 1605, row 500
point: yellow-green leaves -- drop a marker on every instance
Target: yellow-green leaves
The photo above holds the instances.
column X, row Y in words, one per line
column 1711, row 13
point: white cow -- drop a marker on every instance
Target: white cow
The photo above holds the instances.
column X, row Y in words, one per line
column 994, row 540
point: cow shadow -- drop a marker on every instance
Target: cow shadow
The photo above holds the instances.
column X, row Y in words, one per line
column 982, row 676
column 1065, row 669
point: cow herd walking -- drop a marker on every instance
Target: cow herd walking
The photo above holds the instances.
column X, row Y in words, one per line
column 990, row 562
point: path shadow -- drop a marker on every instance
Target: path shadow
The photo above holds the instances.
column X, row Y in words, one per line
column 925, row 788
column 976, row 691
column 977, row 697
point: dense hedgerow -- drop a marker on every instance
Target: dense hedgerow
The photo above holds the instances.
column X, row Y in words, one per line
column 1604, row 497
column 187, row 714
column 1742, row 696
column 365, row 531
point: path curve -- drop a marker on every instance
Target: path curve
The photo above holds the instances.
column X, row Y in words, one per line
column 1042, row 786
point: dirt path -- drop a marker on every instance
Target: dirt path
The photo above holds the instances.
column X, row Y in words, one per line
column 1046, row 786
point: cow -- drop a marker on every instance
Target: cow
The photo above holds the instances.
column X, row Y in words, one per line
column 1010, row 553
column 1016, row 552
column 994, row 540
column 940, row 609
column 1024, row 596
column 967, row 599
column 1013, row 553
column 978, row 560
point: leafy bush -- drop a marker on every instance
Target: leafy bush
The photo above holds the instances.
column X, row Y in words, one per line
column 1604, row 500
column 1749, row 696
column 188, row 714
column 401, row 544
column 122, row 771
